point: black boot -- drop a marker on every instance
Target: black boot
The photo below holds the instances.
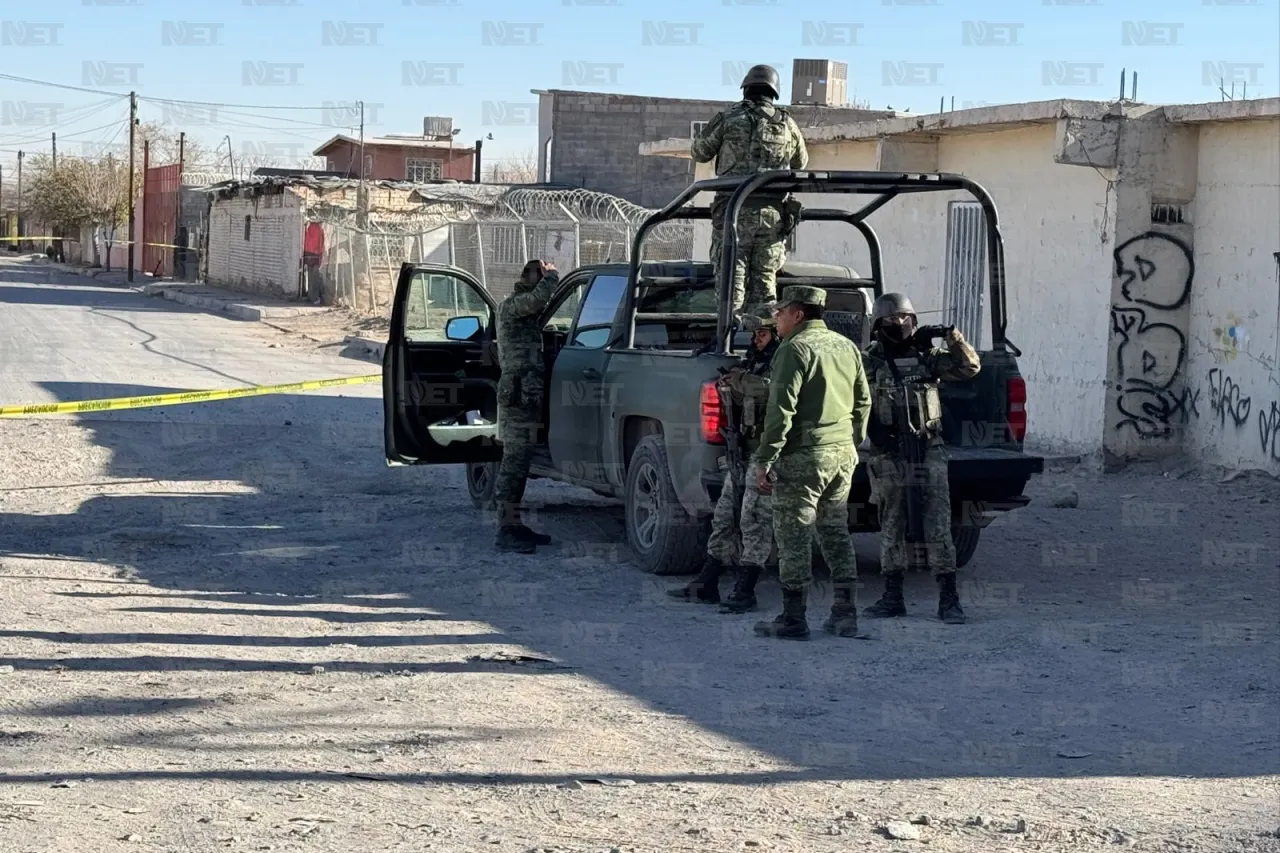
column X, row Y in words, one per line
column 511, row 540
column 743, row 597
column 949, row 600
column 790, row 624
column 890, row 603
column 532, row 535
column 843, row 621
column 705, row 588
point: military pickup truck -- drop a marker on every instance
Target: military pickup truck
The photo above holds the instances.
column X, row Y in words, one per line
column 632, row 351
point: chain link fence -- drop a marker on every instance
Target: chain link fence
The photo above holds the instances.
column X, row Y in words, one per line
column 491, row 237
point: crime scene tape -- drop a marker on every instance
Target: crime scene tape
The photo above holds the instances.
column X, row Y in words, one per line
column 37, row 239
column 179, row 398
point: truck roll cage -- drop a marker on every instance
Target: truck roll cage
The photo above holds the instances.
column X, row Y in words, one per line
column 886, row 186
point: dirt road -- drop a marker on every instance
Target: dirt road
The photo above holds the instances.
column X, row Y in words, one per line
column 231, row 627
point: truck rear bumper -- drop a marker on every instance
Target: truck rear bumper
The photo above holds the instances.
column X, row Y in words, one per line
column 983, row 480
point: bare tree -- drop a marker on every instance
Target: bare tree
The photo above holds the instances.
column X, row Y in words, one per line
column 519, row 169
column 167, row 147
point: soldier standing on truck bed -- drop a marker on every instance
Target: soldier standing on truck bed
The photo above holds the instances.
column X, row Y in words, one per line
column 520, row 397
column 754, row 135
column 818, row 409
column 741, row 510
column 905, row 370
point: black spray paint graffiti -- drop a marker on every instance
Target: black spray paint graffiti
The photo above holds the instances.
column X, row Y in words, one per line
column 1269, row 431
column 1156, row 271
column 1226, row 401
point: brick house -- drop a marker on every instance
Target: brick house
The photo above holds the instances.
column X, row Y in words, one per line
column 400, row 157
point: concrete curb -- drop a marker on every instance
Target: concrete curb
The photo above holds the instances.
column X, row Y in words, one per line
column 240, row 310
column 364, row 348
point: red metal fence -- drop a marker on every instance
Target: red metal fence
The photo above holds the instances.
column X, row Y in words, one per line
column 160, row 189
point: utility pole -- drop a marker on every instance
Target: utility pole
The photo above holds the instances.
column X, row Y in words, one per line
column 20, row 222
column 230, row 159
column 182, row 155
column 133, row 122
column 55, row 152
column 362, row 224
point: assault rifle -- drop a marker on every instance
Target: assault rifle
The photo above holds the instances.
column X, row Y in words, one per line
column 733, row 447
column 913, row 444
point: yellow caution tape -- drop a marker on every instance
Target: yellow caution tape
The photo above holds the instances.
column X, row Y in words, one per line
column 179, row 398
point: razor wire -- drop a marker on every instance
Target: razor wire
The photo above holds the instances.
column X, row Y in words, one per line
column 489, row 236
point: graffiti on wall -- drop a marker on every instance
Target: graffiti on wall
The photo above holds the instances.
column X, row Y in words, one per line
column 1269, row 432
column 1156, row 271
column 1226, row 401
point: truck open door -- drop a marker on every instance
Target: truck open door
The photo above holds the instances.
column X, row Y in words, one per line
column 440, row 370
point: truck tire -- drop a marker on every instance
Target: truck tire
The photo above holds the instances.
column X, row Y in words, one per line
column 666, row 539
column 482, row 477
column 966, row 539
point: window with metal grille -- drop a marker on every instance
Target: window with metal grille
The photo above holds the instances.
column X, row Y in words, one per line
column 966, row 268
column 424, row 170
column 696, row 127
column 505, row 245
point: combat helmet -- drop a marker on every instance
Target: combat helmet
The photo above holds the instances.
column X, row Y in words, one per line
column 762, row 75
column 761, row 318
column 888, row 304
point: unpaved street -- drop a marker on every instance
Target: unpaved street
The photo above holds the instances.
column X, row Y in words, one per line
column 229, row 626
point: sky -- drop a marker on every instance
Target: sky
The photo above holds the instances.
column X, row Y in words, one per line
column 284, row 71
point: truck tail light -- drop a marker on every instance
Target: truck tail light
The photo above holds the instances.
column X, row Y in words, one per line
column 712, row 414
column 1017, row 396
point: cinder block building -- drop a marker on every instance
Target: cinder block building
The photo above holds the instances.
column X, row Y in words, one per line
column 590, row 139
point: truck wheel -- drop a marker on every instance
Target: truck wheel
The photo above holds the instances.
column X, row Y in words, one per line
column 482, row 477
column 665, row 539
column 966, row 539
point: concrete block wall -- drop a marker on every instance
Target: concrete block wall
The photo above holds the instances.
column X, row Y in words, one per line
column 267, row 263
column 595, row 138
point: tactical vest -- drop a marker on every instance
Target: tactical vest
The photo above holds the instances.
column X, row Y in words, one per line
column 770, row 147
column 906, row 382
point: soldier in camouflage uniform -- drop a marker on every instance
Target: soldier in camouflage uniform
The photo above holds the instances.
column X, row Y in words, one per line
column 748, row 386
column 819, row 406
column 754, row 135
column 520, row 398
column 899, row 346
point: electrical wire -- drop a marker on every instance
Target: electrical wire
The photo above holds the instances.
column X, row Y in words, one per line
column 154, row 100
column 70, row 118
column 66, row 135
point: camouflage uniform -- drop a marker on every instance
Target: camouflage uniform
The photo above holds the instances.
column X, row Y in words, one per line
column 889, row 475
column 752, row 136
column 819, row 405
column 520, row 398
column 747, row 539
column 921, row 366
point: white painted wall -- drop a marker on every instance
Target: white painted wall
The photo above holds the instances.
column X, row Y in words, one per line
column 1236, row 217
column 266, row 263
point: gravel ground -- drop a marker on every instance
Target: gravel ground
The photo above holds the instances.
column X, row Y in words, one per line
column 231, row 627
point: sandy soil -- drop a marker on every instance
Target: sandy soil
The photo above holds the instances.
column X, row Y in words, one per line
column 229, row 633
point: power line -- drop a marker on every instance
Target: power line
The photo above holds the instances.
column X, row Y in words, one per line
column 152, row 99
column 64, row 136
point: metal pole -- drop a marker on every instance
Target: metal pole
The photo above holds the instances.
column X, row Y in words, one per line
column 133, row 122
column 55, row 152
column 19, row 222
column 146, row 167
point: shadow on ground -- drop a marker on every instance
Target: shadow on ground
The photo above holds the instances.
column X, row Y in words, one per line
column 1041, row 683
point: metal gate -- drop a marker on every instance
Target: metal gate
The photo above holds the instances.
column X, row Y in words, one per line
column 966, row 269
column 160, row 190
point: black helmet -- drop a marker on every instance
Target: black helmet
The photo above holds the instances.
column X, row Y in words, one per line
column 765, row 76
column 888, row 304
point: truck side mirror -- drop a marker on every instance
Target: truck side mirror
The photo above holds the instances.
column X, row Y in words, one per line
column 461, row 328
